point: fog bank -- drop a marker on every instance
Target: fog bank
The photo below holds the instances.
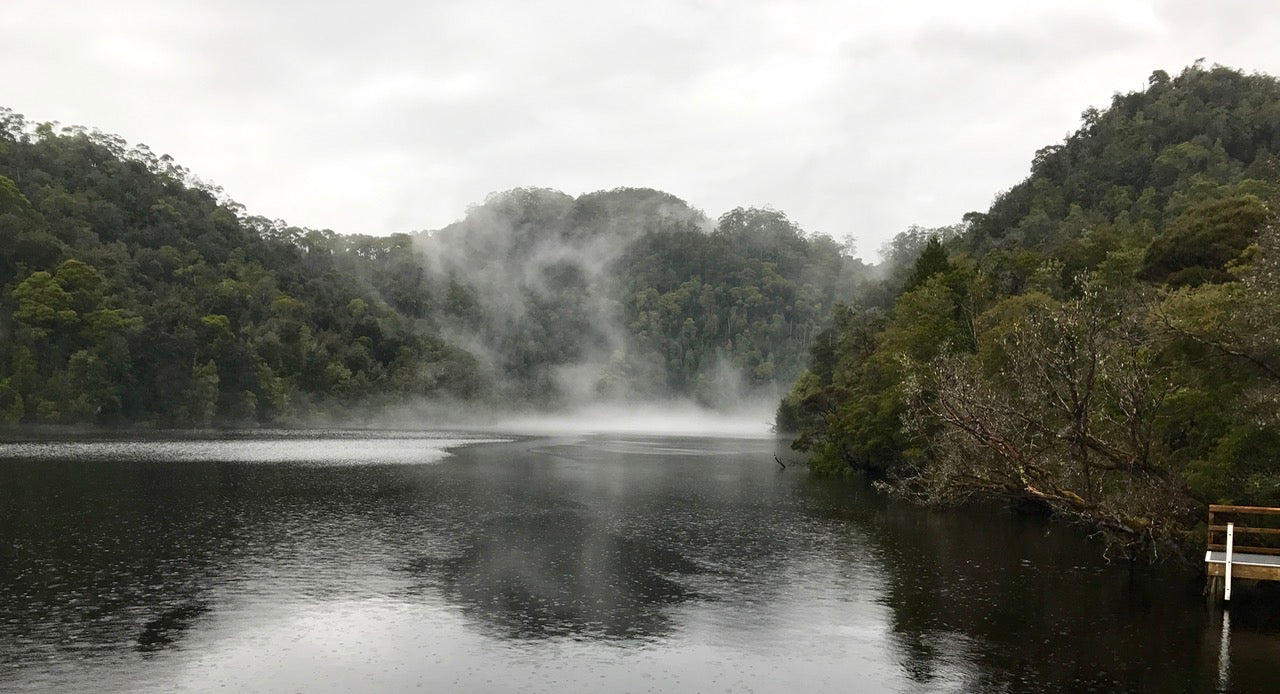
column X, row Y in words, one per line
column 677, row 418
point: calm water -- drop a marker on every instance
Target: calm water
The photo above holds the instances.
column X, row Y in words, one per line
column 395, row 562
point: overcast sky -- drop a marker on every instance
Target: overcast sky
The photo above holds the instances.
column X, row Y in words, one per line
column 854, row 118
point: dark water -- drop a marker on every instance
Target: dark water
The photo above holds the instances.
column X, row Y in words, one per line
column 345, row 562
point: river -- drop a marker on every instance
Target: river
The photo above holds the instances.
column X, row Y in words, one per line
column 355, row 561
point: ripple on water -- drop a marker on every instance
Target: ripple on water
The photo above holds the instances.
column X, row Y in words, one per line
column 332, row 563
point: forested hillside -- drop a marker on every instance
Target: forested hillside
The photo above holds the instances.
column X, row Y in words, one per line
column 131, row 293
column 1102, row 342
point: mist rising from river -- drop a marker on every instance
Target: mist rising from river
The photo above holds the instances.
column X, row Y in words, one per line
column 677, row 418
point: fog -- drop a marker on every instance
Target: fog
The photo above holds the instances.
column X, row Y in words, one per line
column 753, row 420
column 528, row 283
column 607, row 305
column 750, row 417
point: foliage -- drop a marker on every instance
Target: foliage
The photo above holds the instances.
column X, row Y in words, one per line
column 1198, row 245
column 131, row 293
column 1101, row 342
column 1064, row 405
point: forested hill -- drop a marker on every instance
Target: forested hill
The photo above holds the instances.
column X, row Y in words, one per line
column 1102, row 342
column 130, row 293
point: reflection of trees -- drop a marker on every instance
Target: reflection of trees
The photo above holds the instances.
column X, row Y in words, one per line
column 94, row 555
column 1006, row 602
column 561, row 576
column 614, row 546
column 162, row 631
column 604, row 540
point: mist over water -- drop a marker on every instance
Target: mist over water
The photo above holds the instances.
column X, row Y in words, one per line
column 676, row 418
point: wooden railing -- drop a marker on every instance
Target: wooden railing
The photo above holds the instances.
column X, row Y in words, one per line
column 1249, row 539
column 1221, row 516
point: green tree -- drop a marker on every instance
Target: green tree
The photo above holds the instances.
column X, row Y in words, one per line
column 1200, row 242
column 200, row 398
column 1064, row 406
column 932, row 261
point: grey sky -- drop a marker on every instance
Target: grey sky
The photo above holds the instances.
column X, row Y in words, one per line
column 854, row 118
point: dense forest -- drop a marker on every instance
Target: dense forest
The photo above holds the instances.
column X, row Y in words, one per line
column 131, row 293
column 1101, row 343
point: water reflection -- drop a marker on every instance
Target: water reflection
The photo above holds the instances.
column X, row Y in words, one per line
column 559, row 575
column 1006, row 602
column 128, row 542
column 1224, row 654
column 592, row 540
column 90, row 559
column 164, row 630
column 621, row 563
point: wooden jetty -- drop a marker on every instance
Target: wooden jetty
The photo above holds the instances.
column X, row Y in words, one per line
column 1244, row 542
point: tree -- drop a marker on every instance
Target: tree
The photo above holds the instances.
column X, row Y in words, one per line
column 200, row 399
column 932, row 261
column 1063, row 407
column 1231, row 330
column 25, row 241
column 43, row 303
column 1200, row 242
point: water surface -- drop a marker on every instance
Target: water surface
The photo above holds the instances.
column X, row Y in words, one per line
column 343, row 561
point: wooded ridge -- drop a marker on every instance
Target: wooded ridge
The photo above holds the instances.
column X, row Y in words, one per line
column 131, row 293
column 1102, row 342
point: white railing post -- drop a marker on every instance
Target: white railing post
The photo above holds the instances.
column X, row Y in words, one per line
column 1231, row 536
